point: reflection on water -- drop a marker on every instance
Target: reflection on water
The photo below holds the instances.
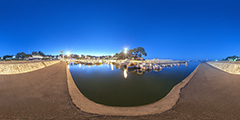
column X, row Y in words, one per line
column 127, row 87
column 125, row 74
column 112, row 67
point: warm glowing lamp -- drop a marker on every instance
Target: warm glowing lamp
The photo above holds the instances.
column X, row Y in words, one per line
column 125, row 50
column 68, row 53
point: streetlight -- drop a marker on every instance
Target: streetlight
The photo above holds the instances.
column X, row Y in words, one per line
column 62, row 54
column 68, row 53
column 125, row 50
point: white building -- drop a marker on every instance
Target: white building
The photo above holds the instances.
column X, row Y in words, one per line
column 35, row 57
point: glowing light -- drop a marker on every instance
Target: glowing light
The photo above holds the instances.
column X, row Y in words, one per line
column 79, row 65
column 68, row 53
column 125, row 50
column 112, row 67
column 125, row 75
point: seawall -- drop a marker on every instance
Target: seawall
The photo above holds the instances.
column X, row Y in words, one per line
column 8, row 68
column 229, row 67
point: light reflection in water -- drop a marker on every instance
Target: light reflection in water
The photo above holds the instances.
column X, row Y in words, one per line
column 125, row 71
column 122, row 86
column 112, row 67
column 125, row 74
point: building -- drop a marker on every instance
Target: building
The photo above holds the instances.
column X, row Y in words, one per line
column 58, row 57
column 8, row 57
column 233, row 59
column 81, row 56
column 35, row 57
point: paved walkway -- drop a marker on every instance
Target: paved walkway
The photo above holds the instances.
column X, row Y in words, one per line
column 43, row 94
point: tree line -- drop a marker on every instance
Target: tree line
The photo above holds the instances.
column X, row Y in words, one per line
column 232, row 58
column 23, row 55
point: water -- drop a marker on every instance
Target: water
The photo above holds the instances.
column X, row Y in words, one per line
column 109, row 85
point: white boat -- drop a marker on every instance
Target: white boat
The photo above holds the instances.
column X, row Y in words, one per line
column 156, row 67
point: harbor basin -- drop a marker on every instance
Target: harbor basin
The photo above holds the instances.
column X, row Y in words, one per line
column 113, row 85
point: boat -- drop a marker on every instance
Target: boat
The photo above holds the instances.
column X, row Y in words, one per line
column 88, row 63
column 156, row 67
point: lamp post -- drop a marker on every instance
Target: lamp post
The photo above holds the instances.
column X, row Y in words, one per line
column 62, row 54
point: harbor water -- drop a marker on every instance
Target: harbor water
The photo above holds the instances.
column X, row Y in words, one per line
column 113, row 85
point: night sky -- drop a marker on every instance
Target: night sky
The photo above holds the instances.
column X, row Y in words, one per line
column 170, row 29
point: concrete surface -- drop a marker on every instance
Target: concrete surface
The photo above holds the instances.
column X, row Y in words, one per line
column 43, row 94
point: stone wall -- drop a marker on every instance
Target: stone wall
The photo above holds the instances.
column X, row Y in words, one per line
column 230, row 67
column 23, row 67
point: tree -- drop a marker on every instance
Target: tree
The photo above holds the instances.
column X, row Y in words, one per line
column 119, row 55
column 137, row 52
column 140, row 51
column 21, row 55
column 41, row 53
column 7, row 56
column 232, row 58
column 132, row 53
column 34, row 53
column 38, row 53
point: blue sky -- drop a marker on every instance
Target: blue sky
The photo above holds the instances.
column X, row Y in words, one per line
column 174, row 29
